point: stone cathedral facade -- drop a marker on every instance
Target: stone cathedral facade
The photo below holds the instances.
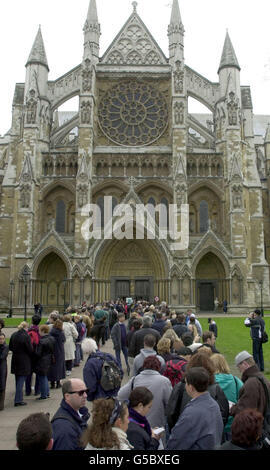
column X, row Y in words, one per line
column 134, row 139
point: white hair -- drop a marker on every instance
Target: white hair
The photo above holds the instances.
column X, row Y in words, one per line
column 89, row 346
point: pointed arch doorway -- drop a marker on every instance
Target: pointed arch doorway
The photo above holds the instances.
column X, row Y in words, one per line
column 131, row 268
column 210, row 282
column 51, row 286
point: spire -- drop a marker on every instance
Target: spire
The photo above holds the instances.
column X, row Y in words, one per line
column 228, row 58
column 92, row 16
column 38, row 53
column 91, row 32
column 176, row 16
column 176, row 34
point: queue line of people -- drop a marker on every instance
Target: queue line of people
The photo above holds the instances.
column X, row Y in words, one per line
column 203, row 407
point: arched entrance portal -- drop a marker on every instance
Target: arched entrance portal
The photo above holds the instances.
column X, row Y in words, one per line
column 210, row 282
column 51, row 286
column 131, row 268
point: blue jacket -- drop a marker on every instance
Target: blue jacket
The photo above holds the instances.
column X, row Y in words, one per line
column 68, row 427
column 199, row 427
column 159, row 325
column 92, row 375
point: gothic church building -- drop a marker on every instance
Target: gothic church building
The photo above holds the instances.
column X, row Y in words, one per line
column 134, row 139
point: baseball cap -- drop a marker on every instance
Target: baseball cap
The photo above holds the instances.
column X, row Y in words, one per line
column 242, row 356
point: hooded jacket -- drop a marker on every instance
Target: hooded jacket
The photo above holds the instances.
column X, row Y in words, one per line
column 139, row 360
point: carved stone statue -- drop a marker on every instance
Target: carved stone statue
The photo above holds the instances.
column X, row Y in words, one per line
column 86, row 112
column 87, row 76
column 232, row 110
column 31, row 106
column 179, row 113
column 178, row 78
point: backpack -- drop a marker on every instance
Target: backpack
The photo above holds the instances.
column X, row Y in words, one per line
column 174, row 370
column 111, row 375
column 34, row 338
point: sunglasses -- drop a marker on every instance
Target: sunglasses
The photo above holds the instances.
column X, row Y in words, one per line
column 80, row 392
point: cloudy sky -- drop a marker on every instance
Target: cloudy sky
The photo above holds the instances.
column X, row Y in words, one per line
column 205, row 23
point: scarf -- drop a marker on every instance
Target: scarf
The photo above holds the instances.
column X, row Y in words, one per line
column 137, row 418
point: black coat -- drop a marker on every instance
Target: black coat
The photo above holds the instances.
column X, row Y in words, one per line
column 140, row 439
column 44, row 354
column 3, row 365
column 21, row 347
column 137, row 340
column 180, row 329
column 57, row 370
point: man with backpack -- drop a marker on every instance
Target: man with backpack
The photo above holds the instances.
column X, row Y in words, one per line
column 101, row 372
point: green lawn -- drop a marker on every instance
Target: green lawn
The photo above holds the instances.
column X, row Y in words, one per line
column 14, row 322
column 234, row 336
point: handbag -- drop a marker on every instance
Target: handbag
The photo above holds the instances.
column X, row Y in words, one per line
column 264, row 337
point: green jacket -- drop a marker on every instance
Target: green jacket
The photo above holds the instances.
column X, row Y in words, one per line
column 231, row 386
column 98, row 314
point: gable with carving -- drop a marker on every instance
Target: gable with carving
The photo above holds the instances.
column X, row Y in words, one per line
column 134, row 45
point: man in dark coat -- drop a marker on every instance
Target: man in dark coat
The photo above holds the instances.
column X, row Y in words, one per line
column 3, row 368
column 71, row 418
column 21, row 347
column 159, row 323
column 257, row 326
column 180, row 327
column 119, row 339
column 137, row 340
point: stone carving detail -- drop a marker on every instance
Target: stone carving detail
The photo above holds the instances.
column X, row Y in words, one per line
column 31, row 108
column 237, row 196
column 25, row 196
column 233, row 107
column 134, row 47
column 87, row 76
column 178, row 76
column 133, row 113
column 180, row 192
column 179, row 109
column 82, row 194
column 86, row 108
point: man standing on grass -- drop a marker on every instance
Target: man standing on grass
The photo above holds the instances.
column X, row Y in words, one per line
column 257, row 326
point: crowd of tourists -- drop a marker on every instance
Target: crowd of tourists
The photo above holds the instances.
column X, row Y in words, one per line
column 179, row 392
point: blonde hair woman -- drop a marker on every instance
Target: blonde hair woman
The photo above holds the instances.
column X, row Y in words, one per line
column 229, row 383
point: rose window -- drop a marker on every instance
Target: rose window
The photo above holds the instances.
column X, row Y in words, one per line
column 133, row 114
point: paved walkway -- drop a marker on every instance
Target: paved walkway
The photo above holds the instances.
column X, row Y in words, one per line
column 11, row 416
